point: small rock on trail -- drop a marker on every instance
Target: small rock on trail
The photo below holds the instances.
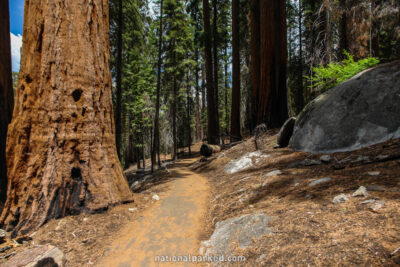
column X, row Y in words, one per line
column 341, row 198
column 320, row 181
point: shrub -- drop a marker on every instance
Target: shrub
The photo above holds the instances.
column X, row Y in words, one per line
column 333, row 74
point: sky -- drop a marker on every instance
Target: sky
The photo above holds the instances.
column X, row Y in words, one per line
column 16, row 23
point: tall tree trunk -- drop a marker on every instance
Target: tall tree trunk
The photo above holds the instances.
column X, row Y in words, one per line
column 375, row 29
column 343, row 44
column 272, row 98
column 174, row 130
column 118, row 124
column 189, row 129
column 203, row 103
column 198, row 130
column 62, row 154
column 156, row 143
column 235, row 108
column 300, row 89
column 328, row 33
column 142, row 149
column 215, row 64
column 6, row 92
column 226, row 92
column 212, row 129
column 255, row 58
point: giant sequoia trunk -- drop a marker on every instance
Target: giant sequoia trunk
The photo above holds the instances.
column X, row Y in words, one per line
column 6, row 92
column 212, row 127
column 255, row 58
column 270, row 101
column 61, row 149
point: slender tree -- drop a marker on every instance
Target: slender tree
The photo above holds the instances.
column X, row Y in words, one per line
column 343, row 43
column 189, row 111
column 212, row 128
column 215, row 62
column 300, row 89
column 235, row 109
column 156, row 143
column 6, row 92
column 255, row 59
column 62, row 141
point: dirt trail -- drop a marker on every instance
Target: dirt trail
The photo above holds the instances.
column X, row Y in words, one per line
column 171, row 227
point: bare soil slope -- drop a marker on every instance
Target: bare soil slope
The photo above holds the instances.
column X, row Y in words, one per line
column 309, row 229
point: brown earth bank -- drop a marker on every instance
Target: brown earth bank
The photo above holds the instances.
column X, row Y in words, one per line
column 309, row 229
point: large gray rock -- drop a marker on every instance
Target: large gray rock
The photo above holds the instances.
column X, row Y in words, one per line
column 240, row 230
column 357, row 113
column 40, row 256
column 286, row 132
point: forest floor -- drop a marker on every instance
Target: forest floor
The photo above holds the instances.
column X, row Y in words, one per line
column 308, row 229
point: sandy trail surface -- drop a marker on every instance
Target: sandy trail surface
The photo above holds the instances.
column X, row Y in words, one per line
column 171, row 227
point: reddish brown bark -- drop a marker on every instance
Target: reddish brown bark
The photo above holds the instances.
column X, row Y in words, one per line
column 212, row 129
column 235, row 108
column 6, row 92
column 62, row 157
column 271, row 101
column 118, row 113
column 255, row 57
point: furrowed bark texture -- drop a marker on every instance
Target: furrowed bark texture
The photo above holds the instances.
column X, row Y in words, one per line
column 271, row 102
column 255, row 58
column 6, row 92
column 212, row 127
column 61, row 152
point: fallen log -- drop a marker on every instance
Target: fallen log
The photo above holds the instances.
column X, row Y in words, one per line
column 207, row 150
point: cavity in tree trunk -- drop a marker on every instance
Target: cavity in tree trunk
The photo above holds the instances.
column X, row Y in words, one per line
column 62, row 154
column 235, row 108
column 212, row 131
column 6, row 92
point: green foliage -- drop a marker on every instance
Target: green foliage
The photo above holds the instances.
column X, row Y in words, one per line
column 333, row 74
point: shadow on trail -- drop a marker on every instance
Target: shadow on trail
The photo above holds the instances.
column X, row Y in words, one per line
column 143, row 180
